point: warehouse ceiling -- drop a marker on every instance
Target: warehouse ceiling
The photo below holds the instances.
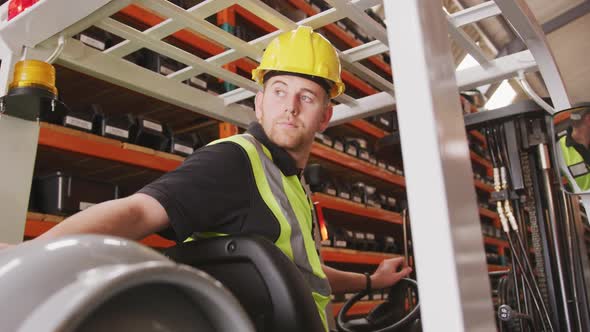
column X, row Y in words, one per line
column 567, row 26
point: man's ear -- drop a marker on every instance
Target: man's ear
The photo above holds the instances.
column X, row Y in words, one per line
column 326, row 117
column 258, row 105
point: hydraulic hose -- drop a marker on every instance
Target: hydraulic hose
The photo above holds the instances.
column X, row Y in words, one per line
column 536, row 286
column 527, row 282
column 497, row 149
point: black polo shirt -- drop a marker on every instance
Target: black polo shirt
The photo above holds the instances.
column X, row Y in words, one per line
column 214, row 191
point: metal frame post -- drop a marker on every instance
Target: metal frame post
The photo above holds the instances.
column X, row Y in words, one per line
column 454, row 287
column 18, row 160
column 18, row 151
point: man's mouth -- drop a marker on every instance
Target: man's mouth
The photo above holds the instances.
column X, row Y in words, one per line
column 287, row 124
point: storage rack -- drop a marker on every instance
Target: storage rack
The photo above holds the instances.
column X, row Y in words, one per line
column 374, row 95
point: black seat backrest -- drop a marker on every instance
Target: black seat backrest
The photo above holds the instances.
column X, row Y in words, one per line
column 264, row 280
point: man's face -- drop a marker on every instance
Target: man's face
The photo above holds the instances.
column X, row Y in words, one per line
column 291, row 110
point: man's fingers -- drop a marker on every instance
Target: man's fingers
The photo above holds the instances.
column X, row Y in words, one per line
column 406, row 271
column 397, row 261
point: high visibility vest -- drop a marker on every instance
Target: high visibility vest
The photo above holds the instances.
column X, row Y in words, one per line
column 576, row 165
column 292, row 208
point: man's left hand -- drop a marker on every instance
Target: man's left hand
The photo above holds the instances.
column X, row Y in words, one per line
column 389, row 272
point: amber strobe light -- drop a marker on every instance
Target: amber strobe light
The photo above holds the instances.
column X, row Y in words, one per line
column 34, row 73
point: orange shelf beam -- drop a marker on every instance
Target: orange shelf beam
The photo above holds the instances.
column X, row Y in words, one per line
column 360, row 308
column 82, row 144
column 257, row 21
column 480, row 160
column 488, row 213
column 337, row 255
column 495, row 242
column 494, row 268
column 482, row 186
column 479, row 136
column 353, row 163
column 340, row 204
column 357, row 83
column 368, row 128
column 34, row 228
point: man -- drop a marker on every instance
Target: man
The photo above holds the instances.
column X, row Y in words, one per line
column 575, row 145
column 251, row 183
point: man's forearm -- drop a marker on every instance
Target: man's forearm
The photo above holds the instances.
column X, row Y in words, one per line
column 388, row 273
column 122, row 217
column 345, row 282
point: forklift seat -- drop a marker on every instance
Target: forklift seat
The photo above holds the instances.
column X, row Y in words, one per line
column 263, row 279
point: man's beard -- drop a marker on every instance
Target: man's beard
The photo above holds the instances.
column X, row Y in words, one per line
column 288, row 140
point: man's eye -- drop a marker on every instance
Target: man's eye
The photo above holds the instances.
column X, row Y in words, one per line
column 307, row 99
column 279, row 92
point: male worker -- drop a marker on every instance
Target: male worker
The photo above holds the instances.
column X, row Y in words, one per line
column 250, row 183
column 575, row 145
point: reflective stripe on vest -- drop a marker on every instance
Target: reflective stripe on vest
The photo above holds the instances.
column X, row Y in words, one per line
column 575, row 164
column 288, row 202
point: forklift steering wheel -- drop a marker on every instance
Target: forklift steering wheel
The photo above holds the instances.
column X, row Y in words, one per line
column 388, row 316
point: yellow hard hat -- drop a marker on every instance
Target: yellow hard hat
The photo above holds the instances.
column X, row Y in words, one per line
column 302, row 51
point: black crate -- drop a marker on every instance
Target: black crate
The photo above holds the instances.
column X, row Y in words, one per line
column 150, row 133
column 63, row 194
column 117, row 126
column 184, row 144
column 371, row 241
column 319, row 180
column 358, row 193
column 353, row 146
column 82, row 121
column 387, row 244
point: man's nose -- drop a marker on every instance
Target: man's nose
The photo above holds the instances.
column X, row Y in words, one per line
column 292, row 105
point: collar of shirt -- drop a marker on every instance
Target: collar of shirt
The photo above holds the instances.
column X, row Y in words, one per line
column 569, row 141
column 281, row 158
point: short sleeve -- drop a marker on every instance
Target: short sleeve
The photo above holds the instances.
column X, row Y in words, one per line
column 209, row 192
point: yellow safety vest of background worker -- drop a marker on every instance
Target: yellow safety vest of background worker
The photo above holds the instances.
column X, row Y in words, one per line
column 574, row 146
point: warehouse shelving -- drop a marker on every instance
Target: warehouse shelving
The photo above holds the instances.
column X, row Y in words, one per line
column 326, row 201
column 355, row 164
column 150, row 19
column 88, row 144
column 97, row 146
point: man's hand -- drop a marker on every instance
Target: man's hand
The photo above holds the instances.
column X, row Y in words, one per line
column 5, row 245
column 387, row 273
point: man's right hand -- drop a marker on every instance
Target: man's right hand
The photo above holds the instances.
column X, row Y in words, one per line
column 5, row 245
